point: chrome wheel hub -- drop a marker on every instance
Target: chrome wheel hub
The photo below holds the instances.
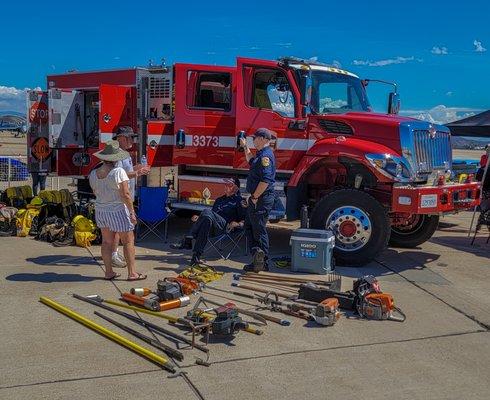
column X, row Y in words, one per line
column 351, row 226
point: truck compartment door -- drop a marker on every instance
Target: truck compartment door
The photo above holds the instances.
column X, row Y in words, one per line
column 66, row 116
column 40, row 155
column 204, row 115
column 267, row 96
column 117, row 107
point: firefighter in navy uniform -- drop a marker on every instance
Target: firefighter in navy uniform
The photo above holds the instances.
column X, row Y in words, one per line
column 228, row 213
column 260, row 185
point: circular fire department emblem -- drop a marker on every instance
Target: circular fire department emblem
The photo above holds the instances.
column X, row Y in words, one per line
column 38, row 112
column 40, row 149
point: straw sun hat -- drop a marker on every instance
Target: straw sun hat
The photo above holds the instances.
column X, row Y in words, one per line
column 112, row 152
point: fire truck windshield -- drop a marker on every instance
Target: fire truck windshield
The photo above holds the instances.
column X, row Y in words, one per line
column 337, row 93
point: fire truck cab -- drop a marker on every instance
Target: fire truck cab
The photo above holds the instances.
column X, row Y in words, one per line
column 367, row 176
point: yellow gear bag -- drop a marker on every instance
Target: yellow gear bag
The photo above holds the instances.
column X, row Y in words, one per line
column 24, row 220
column 84, row 231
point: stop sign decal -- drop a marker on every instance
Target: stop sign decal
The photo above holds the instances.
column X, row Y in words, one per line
column 40, row 148
column 38, row 112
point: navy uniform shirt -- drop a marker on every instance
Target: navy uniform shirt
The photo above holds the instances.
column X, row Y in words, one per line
column 230, row 208
column 262, row 169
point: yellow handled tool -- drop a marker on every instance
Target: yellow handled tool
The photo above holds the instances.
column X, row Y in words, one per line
column 109, row 334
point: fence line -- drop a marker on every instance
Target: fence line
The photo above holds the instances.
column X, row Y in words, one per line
column 14, row 172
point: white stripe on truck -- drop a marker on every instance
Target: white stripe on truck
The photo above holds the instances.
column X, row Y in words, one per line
column 223, row 141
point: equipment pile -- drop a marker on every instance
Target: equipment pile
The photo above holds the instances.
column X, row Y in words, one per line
column 317, row 301
column 52, row 216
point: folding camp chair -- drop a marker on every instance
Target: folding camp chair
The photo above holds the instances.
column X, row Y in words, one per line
column 226, row 243
column 152, row 211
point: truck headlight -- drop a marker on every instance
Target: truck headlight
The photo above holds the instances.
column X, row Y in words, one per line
column 394, row 167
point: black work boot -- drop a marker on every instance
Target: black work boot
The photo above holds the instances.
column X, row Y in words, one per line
column 185, row 244
column 258, row 263
column 195, row 260
column 249, row 268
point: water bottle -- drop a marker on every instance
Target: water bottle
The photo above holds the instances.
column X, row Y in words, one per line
column 144, row 161
column 304, row 217
column 241, row 135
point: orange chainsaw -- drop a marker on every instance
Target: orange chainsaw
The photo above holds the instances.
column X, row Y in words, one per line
column 380, row 306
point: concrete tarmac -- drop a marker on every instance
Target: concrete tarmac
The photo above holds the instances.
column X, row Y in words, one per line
column 442, row 350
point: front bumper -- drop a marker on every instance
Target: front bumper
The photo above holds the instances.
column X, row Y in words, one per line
column 435, row 199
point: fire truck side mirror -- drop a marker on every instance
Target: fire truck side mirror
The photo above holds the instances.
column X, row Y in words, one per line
column 180, row 139
column 393, row 103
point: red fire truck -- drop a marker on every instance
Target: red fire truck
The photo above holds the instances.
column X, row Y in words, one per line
column 371, row 178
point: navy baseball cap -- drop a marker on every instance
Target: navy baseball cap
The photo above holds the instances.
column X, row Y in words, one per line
column 265, row 133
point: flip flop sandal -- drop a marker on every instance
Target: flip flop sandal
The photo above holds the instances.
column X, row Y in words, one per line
column 116, row 275
column 140, row 277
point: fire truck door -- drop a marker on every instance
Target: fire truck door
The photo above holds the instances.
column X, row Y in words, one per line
column 204, row 115
column 66, row 118
column 267, row 96
column 39, row 154
column 117, row 107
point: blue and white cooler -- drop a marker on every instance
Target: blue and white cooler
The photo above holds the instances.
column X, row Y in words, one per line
column 311, row 251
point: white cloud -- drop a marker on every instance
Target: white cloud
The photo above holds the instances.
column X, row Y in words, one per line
column 13, row 99
column 255, row 48
column 439, row 50
column 449, row 93
column 478, row 46
column 441, row 114
column 313, row 59
column 286, row 45
column 336, row 64
column 389, row 61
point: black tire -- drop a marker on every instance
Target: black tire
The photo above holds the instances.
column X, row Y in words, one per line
column 421, row 231
column 377, row 217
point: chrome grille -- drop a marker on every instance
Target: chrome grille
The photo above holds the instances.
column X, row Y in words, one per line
column 431, row 152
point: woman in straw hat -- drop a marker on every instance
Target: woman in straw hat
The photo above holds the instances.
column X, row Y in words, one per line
column 114, row 212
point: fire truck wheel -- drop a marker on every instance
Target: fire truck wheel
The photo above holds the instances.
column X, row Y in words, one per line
column 420, row 229
column 360, row 224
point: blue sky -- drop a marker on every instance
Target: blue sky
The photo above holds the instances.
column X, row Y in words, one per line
column 438, row 52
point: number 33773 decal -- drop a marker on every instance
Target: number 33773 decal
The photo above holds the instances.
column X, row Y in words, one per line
column 205, row 141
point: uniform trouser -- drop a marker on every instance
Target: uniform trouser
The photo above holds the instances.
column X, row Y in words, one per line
column 38, row 180
column 208, row 221
column 255, row 224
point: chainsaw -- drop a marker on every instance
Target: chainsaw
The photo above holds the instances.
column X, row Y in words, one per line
column 380, row 306
column 326, row 313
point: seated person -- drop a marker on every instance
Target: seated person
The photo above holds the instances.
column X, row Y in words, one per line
column 228, row 212
column 481, row 171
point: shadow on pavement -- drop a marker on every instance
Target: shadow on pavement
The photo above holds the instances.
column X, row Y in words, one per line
column 50, row 277
column 463, row 243
column 64, row 260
